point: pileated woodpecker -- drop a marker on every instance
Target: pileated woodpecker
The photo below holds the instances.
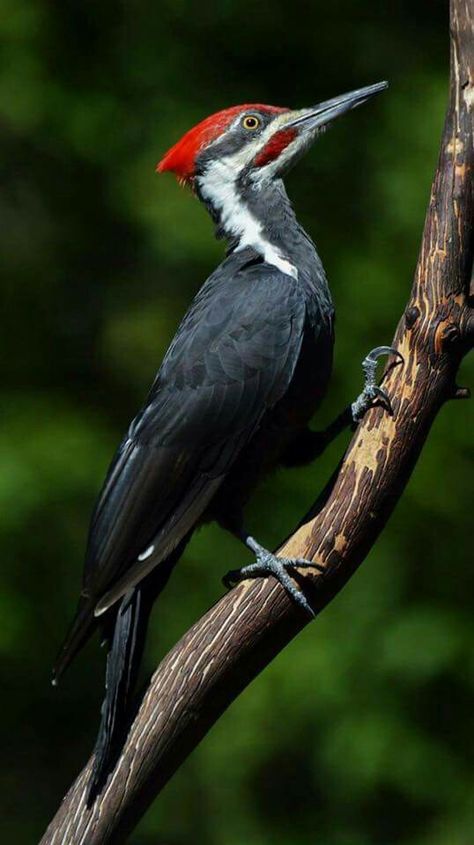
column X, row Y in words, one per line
column 232, row 399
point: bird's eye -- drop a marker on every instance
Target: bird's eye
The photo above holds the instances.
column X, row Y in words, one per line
column 251, row 121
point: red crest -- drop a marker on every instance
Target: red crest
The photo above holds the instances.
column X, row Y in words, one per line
column 181, row 158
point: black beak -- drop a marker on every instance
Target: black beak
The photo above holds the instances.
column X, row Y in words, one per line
column 324, row 113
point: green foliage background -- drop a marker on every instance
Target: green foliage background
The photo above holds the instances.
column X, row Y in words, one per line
column 360, row 733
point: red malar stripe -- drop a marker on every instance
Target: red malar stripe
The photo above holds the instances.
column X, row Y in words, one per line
column 275, row 146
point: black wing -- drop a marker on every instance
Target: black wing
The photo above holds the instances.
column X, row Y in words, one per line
column 232, row 358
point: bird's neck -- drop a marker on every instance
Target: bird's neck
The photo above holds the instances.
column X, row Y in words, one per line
column 257, row 216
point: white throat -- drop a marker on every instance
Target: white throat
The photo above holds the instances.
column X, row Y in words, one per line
column 217, row 186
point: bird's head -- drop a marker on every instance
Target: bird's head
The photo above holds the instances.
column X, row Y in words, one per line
column 253, row 142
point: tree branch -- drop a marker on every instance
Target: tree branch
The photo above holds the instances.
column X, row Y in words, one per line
column 237, row 638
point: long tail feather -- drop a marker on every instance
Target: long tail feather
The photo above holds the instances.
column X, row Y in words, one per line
column 123, row 660
column 126, row 646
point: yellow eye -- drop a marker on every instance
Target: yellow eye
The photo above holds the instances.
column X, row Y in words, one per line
column 251, row 121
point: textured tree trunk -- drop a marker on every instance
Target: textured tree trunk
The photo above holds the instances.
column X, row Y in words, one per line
column 233, row 642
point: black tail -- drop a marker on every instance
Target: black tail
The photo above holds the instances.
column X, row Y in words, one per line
column 126, row 643
column 123, row 660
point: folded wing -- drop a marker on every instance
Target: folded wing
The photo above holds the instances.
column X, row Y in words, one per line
column 231, row 360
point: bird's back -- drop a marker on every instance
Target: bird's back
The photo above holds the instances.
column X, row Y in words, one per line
column 231, row 362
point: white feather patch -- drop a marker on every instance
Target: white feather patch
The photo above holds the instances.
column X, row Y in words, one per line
column 149, row 551
column 218, row 187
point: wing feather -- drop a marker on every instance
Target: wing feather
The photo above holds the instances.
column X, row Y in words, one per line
column 231, row 360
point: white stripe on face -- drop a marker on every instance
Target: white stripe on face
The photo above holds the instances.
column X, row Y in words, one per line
column 250, row 149
column 243, row 158
column 218, row 187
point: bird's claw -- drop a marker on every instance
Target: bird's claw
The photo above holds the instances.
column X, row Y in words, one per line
column 269, row 564
column 372, row 392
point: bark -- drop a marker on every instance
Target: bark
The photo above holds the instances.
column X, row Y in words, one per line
column 237, row 638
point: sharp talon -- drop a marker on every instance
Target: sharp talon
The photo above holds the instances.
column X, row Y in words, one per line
column 269, row 564
column 230, row 579
column 304, row 604
column 382, row 395
column 399, row 359
column 384, row 398
column 372, row 391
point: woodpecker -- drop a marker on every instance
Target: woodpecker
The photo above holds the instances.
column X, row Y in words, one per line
column 242, row 378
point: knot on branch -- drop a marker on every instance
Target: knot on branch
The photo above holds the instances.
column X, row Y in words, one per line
column 450, row 334
column 411, row 316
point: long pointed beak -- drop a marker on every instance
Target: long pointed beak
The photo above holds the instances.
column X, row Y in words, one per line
column 324, row 113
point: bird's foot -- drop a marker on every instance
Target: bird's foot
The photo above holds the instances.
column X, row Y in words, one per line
column 372, row 392
column 268, row 563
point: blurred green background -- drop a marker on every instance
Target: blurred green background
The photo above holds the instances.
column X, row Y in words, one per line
column 360, row 733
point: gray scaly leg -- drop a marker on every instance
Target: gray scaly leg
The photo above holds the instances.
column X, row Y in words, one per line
column 268, row 563
column 372, row 391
